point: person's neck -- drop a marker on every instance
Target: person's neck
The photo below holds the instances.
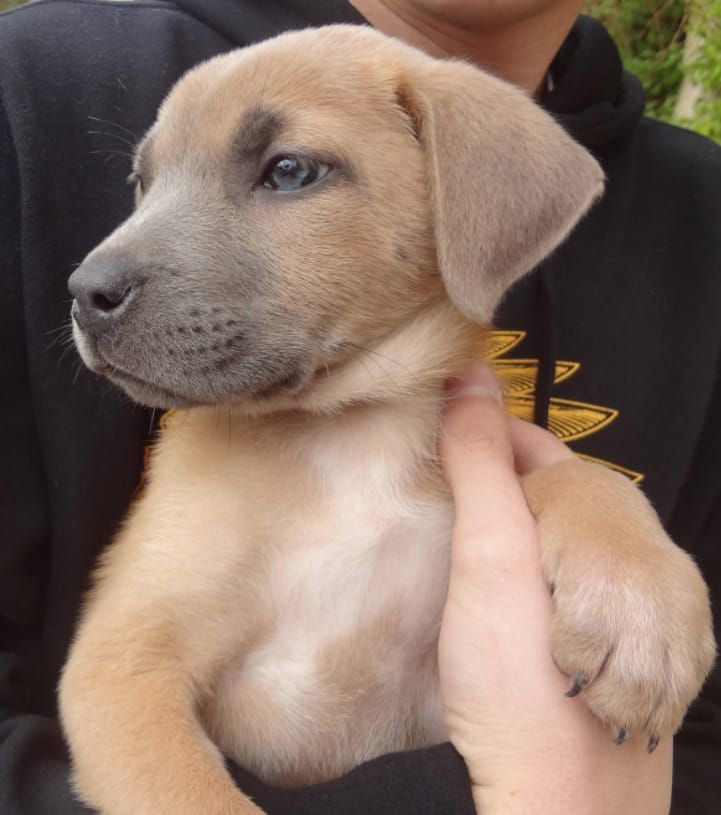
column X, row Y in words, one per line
column 519, row 52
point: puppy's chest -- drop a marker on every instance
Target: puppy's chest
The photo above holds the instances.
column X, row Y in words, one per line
column 343, row 667
column 366, row 561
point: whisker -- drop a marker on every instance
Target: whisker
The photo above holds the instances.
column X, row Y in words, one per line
column 367, row 369
column 63, row 335
column 113, row 124
column 64, row 353
column 372, row 356
column 64, row 327
column 78, row 369
column 61, row 339
column 377, row 354
column 110, row 153
column 112, row 136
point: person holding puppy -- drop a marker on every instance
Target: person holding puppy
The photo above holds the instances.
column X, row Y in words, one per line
column 73, row 454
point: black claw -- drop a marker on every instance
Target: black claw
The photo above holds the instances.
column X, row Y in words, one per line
column 621, row 736
column 653, row 743
column 580, row 680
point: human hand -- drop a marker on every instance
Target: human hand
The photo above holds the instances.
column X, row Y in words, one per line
column 528, row 747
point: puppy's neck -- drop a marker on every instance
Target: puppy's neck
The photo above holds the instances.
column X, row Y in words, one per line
column 409, row 364
column 370, row 426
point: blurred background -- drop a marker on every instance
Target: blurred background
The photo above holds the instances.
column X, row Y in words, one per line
column 673, row 46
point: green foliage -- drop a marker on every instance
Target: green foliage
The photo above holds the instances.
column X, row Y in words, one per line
column 650, row 36
column 8, row 4
column 705, row 70
column 653, row 38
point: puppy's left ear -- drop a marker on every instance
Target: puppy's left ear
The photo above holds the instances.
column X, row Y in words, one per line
column 507, row 184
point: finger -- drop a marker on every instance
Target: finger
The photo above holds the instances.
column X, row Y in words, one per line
column 533, row 447
column 475, row 443
column 478, row 460
column 496, row 574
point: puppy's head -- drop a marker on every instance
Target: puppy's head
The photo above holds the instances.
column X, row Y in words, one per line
column 299, row 200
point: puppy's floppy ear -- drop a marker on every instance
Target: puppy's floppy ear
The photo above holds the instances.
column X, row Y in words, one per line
column 507, row 184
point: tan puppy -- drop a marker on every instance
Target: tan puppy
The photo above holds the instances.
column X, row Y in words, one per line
column 324, row 222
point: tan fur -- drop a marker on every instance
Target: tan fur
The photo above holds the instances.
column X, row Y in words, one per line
column 614, row 582
column 276, row 593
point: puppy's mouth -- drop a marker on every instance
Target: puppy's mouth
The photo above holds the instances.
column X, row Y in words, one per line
column 291, row 379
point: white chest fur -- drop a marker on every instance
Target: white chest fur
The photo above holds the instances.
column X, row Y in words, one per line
column 343, row 667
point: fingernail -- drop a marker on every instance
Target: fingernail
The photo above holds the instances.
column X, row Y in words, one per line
column 476, row 380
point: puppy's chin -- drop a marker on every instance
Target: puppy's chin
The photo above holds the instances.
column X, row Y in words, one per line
column 143, row 393
column 148, row 394
column 261, row 399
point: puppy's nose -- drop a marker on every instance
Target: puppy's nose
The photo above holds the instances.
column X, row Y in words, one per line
column 103, row 288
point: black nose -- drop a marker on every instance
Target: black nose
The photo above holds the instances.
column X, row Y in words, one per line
column 103, row 288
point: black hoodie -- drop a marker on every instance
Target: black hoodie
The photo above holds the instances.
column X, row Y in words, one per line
column 613, row 342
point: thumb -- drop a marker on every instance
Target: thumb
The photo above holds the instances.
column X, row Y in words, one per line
column 477, row 453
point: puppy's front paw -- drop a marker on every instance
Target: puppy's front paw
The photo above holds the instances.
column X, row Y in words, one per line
column 635, row 636
column 632, row 624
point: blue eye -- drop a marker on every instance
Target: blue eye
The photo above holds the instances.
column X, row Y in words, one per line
column 289, row 173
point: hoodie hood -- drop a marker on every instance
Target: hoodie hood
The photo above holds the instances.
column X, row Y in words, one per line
column 592, row 96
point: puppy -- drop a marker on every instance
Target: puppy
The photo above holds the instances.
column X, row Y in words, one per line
column 324, row 225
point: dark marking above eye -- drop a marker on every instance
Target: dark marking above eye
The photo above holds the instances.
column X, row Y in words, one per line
column 258, row 128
